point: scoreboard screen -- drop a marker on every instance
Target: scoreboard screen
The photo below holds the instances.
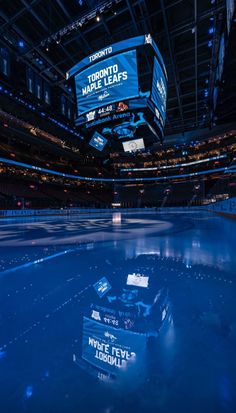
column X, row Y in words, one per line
column 133, row 145
column 98, row 141
column 119, row 98
column 159, row 89
column 111, row 80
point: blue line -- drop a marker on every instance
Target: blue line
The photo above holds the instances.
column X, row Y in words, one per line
column 85, row 178
column 29, row 264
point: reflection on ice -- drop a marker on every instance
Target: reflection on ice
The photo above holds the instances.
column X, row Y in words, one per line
column 117, row 325
column 116, row 218
column 141, row 345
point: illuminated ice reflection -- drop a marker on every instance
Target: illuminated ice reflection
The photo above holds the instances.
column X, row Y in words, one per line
column 118, row 313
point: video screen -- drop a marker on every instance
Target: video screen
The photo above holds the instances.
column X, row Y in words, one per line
column 98, row 141
column 159, row 89
column 111, row 80
column 109, row 348
column 137, row 280
column 134, row 145
column 102, row 287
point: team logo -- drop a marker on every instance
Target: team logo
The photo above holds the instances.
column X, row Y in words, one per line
column 91, row 115
column 96, row 315
column 148, row 39
column 121, row 107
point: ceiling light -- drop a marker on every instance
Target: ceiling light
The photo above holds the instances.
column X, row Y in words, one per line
column 58, row 39
column 211, row 30
column 21, row 43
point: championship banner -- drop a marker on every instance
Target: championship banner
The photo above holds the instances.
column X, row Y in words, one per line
column 114, row 79
column 111, row 349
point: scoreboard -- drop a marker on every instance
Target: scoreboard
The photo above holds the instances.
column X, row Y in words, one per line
column 114, row 79
column 112, row 100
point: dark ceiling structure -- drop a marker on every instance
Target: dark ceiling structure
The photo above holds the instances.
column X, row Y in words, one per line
column 187, row 33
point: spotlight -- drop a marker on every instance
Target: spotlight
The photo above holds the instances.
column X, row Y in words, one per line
column 21, row 44
column 113, row 10
column 98, row 18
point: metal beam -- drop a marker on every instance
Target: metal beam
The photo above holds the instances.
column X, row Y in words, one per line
column 45, row 27
column 174, row 67
column 27, row 40
column 195, row 58
column 185, row 105
column 176, row 31
column 19, row 14
column 60, row 4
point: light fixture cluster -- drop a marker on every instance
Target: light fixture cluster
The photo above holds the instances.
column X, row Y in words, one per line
column 95, row 14
column 210, row 43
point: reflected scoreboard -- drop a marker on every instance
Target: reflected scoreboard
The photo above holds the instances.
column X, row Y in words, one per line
column 109, row 348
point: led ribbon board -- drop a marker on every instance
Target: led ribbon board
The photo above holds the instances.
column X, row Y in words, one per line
column 111, row 80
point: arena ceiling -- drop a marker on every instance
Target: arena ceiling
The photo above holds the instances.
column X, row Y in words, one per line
column 186, row 32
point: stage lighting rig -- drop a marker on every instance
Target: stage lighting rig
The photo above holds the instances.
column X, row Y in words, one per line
column 95, row 14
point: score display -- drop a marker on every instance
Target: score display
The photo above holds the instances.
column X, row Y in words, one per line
column 114, row 79
column 118, row 96
column 98, row 141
